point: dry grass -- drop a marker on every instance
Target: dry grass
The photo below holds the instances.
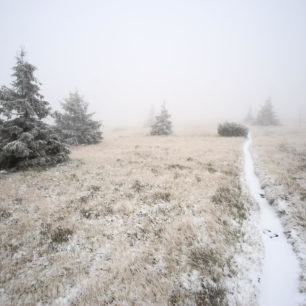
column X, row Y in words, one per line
column 130, row 220
column 281, row 164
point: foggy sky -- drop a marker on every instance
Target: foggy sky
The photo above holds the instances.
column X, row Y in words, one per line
column 209, row 60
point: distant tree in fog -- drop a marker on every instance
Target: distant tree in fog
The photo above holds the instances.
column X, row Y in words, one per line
column 25, row 140
column 151, row 118
column 266, row 115
column 249, row 118
column 75, row 125
column 162, row 124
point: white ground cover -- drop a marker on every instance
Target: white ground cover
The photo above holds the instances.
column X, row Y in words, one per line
column 134, row 220
column 280, row 163
column 279, row 280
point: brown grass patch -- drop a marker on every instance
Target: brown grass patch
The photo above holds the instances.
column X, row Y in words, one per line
column 128, row 228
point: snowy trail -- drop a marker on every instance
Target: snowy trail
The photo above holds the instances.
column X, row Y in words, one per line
column 279, row 279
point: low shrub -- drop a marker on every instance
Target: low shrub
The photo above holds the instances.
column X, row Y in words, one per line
column 137, row 186
column 162, row 196
column 232, row 129
column 232, row 199
column 4, row 214
column 61, row 235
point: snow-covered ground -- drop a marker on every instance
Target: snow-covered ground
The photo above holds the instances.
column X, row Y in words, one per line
column 279, row 280
column 133, row 220
column 280, row 162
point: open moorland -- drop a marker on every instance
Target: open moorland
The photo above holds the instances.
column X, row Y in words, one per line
column 133, row 220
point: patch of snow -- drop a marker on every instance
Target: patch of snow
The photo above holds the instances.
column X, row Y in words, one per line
column 282, row 204
column 191, row 281
column 279, row 280
column 66, row 300
column 247, row 261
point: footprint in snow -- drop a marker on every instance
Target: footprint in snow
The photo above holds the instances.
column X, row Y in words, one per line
column 270, row 234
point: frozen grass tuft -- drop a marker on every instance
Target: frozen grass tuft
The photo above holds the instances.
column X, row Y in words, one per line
column 61, row 235
column 231, row 198
column 161, row 196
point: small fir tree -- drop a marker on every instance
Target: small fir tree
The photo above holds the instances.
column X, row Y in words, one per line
column 25, row 140
column 75, row 125
column 162, row 124
column 266, row 115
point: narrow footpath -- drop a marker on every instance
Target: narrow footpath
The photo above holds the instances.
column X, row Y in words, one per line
column 279, row 280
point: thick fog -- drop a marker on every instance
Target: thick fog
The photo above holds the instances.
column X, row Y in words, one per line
column 208, row 60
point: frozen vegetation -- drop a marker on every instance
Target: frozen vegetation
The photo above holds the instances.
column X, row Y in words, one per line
column 162, row 124
column 135, row 219
column 232, row 129
column 157, row 205
column 280, row 161
column 141, row 219
column 75, row 125
column 279, row 281
column 25, row 140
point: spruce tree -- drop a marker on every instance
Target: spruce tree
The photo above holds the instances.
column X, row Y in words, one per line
column 25, row 140
column 75, row 125
column 162, row 124
column 266, row 115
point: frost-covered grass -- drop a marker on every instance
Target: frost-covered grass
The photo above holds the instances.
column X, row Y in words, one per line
column 135, row 219
column 280, row 157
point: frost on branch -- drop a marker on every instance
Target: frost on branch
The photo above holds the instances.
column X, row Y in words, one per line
column 25, row 140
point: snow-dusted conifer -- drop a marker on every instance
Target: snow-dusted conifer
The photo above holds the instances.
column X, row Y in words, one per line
column 266, row 115
column 75, row 125
column 25, row 140
column 162, row 124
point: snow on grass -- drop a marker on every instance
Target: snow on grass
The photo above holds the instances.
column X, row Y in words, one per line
column 280, row 159
column 131, row 220
column 279, row 279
